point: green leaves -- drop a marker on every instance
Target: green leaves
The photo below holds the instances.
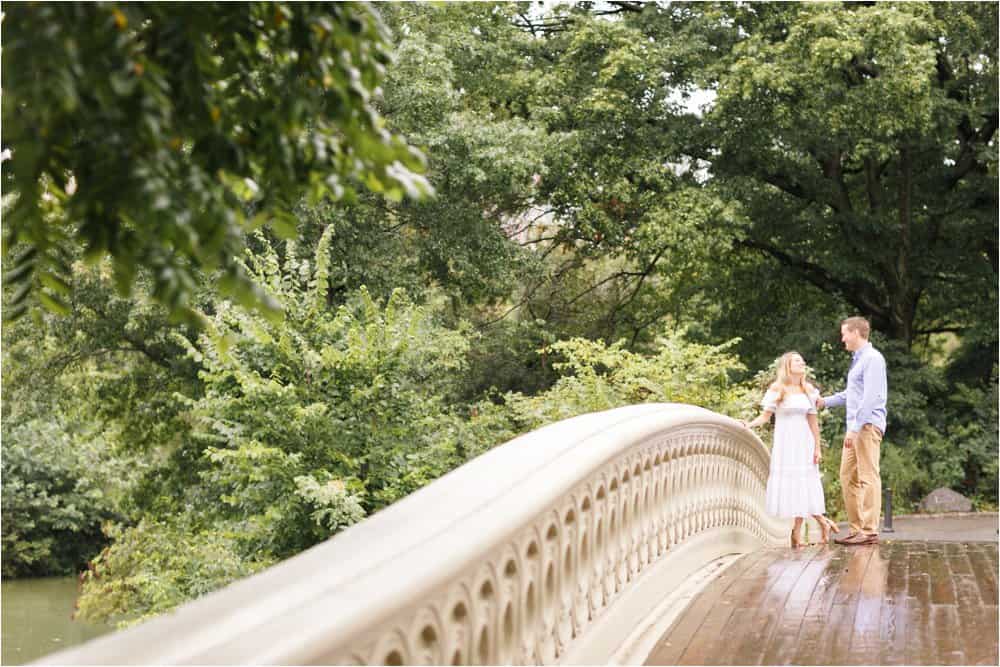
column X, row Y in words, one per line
column 336, row 508
column 145, row 573
column 595, row 376
column 581, row 199
column 832, row 65
column 837, row 128
column 52, row 501
column 170, row 121
column 313, row 419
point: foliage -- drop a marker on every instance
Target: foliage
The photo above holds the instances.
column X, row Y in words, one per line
column 144, row 573
column 595, row 376
column 340, row 388
column 661, row 176
column 973, row 422
column 112, row 352
column 156, row 125
column 861, row 144
column 302, row 428
column 53, row 500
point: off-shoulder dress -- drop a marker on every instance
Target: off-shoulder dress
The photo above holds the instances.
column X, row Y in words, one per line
column 794, row 487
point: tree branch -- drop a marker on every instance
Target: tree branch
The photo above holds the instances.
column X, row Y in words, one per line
column 841, row 205
column 606, row 280
column 902, row 266
column 642, row 277
column 970, row 139
column 543, row 26
column 137, row 345
column 833, row 170
column 855, row 292
column 156, row 357
column 787, row 185
column 872, row 185
column 621, row 8
column 942, row 329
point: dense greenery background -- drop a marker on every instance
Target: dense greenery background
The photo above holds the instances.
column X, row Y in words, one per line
column 524, row 216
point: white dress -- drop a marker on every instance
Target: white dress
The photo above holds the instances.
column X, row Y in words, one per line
column 794, row 487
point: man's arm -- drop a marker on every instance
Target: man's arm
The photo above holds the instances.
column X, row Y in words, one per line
column 833, row 401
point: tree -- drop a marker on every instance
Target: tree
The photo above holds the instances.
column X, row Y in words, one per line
column 851, row 148
column 861, row 141
column 157, row 133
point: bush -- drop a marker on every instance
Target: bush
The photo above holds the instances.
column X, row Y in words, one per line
column 156, row 565
column 595, row 376
column 303, row 427
column 53, row 502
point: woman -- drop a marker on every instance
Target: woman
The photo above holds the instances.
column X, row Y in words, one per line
column 794, row 487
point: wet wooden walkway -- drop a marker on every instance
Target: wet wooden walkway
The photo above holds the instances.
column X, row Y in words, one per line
column 913, row 603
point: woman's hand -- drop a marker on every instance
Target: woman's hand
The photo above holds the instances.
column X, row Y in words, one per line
column 817, row 455
column 747, row 424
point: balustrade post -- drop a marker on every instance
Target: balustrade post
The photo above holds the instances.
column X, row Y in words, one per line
column 887, row 511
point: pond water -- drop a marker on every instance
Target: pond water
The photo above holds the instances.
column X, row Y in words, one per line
column 37, row 618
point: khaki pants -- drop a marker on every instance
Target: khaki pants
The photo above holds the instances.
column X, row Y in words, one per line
column 860, row 481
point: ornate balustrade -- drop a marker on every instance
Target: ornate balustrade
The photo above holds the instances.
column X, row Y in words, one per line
column 550, row 548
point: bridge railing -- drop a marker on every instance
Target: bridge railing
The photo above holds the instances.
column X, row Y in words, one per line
column 550, row 548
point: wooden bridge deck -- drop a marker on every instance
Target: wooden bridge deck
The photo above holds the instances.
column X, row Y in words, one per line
column 914, row 603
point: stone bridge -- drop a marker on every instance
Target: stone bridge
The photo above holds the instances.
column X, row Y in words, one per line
column 631, row 536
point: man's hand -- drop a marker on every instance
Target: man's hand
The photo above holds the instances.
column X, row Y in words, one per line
column 849, row 439
column 820, row 403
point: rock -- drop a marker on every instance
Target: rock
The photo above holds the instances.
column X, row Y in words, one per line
column 945, row 500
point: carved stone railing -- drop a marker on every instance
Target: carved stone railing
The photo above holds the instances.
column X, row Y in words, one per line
column 550, row 548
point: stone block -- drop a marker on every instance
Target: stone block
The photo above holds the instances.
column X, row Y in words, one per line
column 945, row 500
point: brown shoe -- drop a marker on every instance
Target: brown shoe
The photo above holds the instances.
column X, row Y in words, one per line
column 852, row 540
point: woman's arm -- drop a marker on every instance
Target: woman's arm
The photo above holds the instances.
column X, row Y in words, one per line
column 763, row 418
column 814, row 427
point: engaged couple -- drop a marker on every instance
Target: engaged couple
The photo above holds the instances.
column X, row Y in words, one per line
column 794, row 487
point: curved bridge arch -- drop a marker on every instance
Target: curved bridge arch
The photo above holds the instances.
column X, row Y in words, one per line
column 549, row 548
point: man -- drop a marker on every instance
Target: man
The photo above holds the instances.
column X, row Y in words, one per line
column 865, row 397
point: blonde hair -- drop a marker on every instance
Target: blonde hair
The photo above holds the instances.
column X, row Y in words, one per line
column 784, row 373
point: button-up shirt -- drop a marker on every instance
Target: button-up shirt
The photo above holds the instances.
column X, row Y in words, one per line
column 866, row 392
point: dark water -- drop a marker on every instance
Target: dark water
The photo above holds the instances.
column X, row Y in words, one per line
column 37, row 618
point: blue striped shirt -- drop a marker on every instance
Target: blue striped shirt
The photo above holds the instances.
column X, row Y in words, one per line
column 866, row 392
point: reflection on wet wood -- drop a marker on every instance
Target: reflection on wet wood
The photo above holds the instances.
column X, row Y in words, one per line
column 892, row 619
column 781, row 647
column 984, row 570
column 704, row 644
column 712, row 599
column 815, row 621
column 893, row 603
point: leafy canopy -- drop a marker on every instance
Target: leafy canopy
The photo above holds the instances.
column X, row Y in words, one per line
column 157, row 133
